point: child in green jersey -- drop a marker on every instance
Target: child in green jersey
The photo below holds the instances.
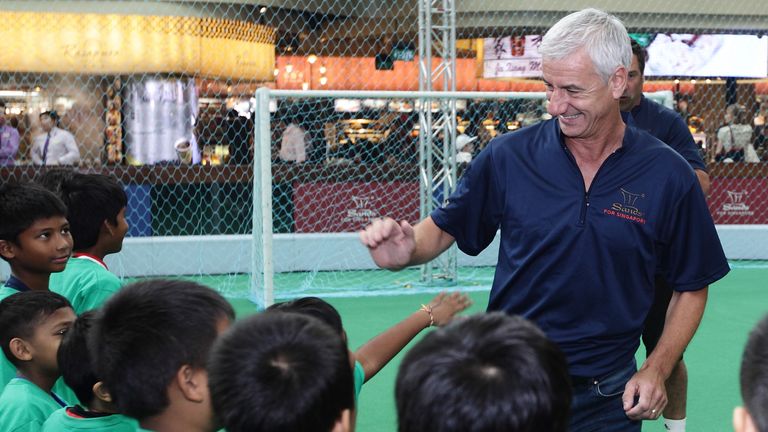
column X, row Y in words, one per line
column 96, row 206
column 35, row 241
column 32, row 325
column 97, row 412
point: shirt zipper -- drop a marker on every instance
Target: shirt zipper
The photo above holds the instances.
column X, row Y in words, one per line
column 585, row 203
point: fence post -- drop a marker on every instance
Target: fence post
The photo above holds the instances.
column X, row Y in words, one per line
column 262, row 283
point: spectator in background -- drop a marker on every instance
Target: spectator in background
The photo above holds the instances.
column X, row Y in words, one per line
column 293, row 144
column 332, row 135
column 682, row 109
column 666, row 125
column 761, row 121
column 9, row 140
column 239, row 134
column 486, row 131
column 474, row 119
column 277, row 129
column 54, row 146
column 734, row 139
column 464, row 148
column 402, row 145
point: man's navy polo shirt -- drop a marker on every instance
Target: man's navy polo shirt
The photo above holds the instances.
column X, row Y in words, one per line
column 581, row 263
column 666, row 125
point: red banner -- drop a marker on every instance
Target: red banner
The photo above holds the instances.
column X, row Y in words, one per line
column 741, row 201
column 350, row 206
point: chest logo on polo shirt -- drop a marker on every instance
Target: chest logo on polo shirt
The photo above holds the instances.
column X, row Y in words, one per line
column 628, row 207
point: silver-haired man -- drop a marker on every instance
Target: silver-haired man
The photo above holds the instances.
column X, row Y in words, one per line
column 588, row 209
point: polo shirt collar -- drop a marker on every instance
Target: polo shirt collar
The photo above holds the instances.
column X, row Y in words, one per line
column 17, row 284
column 626, row 143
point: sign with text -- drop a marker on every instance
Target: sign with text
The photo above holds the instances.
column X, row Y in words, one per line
column 350, row 206
column 51, row 42
column 741, row 201
column 512, row 57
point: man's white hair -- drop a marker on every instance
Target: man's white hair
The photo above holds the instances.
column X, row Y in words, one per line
column 602, row 35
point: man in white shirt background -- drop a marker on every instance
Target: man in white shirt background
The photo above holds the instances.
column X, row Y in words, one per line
column 293, row 146
column 54, row 146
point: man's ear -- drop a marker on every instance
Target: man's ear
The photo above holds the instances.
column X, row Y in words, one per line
column 345, row 422
column 618, row 81
column 7, row 249
column 193, row 383
column 101, row 392
column 21, row 349
column 742, row 421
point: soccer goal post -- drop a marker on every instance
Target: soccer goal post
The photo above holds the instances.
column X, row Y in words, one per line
column 329, row 162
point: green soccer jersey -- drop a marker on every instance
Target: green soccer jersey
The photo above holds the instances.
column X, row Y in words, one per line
column 64, row 420
column 86, row 283
column 25, row 406
column 359, row 379
column 6, row 291
column 8, row 370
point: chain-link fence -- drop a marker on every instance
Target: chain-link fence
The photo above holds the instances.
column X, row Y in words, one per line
column 161, row 95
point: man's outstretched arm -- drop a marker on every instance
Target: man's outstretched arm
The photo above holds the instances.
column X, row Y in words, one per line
column 396, row 245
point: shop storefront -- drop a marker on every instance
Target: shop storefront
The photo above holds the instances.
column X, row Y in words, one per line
column 125, row 85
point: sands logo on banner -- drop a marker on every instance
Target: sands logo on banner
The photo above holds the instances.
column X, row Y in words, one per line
column 512, row 57
column 350, row 206
column 736, row 201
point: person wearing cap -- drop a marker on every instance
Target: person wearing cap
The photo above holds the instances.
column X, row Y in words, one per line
column 54, row 146
column 9, row 141
column 465, row 148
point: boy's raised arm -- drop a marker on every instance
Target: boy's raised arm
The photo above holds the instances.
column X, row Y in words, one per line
column 376, row 353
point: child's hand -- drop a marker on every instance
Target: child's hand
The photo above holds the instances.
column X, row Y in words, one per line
column 446, row 306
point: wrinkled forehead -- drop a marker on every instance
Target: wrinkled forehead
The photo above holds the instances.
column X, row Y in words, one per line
column 576, row 66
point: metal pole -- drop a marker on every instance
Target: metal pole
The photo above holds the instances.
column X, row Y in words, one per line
column 425, row 118
column 437, row 134
column 262, row 283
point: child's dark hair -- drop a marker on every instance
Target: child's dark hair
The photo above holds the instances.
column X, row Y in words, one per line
column 148, row 330
column 91, row 199
column 314, row 307
column 21, row 313
column 280, row 371
column 53, row 178
column 75, row 360
column 22, row 204
column 754, row 375
column 489, row 372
